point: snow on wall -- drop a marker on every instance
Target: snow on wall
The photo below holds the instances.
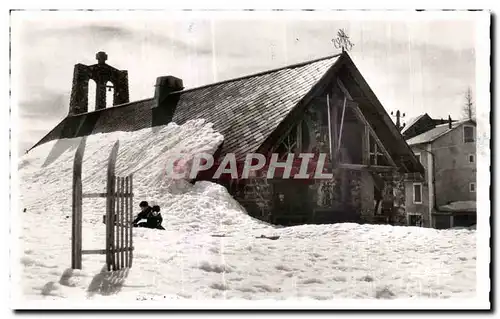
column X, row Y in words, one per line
column 186, row 261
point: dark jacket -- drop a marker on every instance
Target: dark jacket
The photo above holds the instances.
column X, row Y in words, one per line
column 152, row 221
column 143, row 215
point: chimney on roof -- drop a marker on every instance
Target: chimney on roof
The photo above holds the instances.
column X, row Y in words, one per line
column 449, row 122
column 166, row 85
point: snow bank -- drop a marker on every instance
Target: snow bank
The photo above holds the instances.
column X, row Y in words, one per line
column 186, row 261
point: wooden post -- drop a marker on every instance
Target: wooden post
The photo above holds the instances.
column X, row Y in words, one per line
column 76, row 218
column 123, row 198
column 116, row 223
column 130, row 200
column 110, row 203
column 366, row 145
column 127, row 221
column 330, row 137
column 335, row 131
column 118, row 218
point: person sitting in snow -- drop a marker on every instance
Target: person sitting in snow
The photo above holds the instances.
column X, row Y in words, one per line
column 151, row 214
column 156, row 218
column 145, row 211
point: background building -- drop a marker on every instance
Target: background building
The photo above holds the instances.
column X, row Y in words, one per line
column 446, row 197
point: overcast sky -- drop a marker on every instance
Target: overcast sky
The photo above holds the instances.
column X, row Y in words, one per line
column 414, row 65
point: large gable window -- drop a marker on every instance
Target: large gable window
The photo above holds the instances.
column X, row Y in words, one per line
column 376, row 155
column 295, row 141
column 469, row 134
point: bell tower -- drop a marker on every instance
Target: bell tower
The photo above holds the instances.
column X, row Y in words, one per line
column 101, row 73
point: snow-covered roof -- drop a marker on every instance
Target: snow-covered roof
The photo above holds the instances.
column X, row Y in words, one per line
column 459, row 206
column 245, row 110
column 412, row 121
column 435, row 133
column 251, row 112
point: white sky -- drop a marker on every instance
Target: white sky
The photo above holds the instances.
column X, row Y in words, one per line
column 418, row 63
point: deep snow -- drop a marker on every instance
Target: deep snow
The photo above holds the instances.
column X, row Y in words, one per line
column 185, row 261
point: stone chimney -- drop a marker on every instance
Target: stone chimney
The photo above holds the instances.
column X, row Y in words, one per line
column 449, row 122
column 164, row 86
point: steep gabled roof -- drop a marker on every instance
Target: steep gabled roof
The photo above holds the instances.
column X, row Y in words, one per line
column 413, row 121
column 435, row 133
column 248, row 111
column 245, row 110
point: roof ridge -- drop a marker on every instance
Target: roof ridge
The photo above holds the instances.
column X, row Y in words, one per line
column 112, row 107
column 295, row 65
column 454, row 122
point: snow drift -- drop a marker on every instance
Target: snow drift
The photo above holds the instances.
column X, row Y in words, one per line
column 187, row 261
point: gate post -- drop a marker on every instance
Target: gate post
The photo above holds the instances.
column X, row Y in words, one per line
column 76, row 220
column 118, row 218
column 110, row 208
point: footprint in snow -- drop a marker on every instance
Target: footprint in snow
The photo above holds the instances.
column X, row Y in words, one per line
column 283, row 267
column 366, row 278
column 219, row 286
column 384, row 293
column 311, row 281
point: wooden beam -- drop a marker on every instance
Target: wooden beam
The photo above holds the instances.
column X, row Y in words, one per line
column 335, row 131
column 94, row 252
column 94, row 195
column 366, row 145
column 331, row 142
column 341, row 124
column 367, row 124
column 362, row 118
column 344, row 90
column 103, row 251
column 115, row 195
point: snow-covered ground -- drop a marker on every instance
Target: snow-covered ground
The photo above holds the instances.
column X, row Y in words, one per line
column 186, row 261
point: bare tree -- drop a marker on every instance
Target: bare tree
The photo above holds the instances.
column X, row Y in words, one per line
column 468, row 108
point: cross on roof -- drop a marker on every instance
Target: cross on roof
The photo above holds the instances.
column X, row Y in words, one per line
column 342, row 41
column 101, row 57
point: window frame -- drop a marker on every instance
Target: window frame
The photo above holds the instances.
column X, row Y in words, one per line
column 473, row 134
column 419, row 155
column 470, row 188
column 473, row 157
column 414, row 214
column 421, row 193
